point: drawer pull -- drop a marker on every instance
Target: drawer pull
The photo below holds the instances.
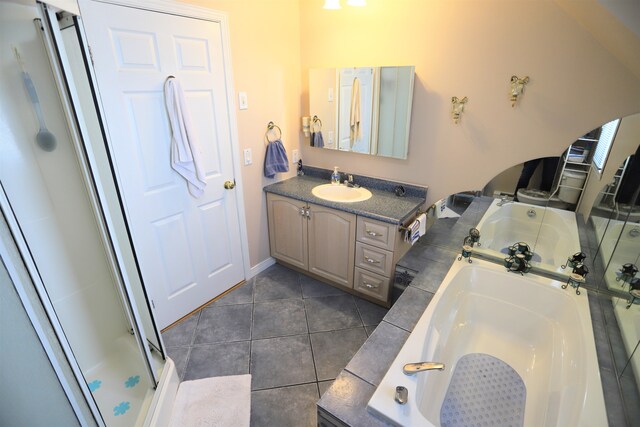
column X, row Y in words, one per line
column 371, row 260
column 369, row 285
column 373, row 233
column 302, row 211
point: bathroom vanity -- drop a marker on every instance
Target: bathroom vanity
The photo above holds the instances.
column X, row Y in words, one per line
column 352, row 246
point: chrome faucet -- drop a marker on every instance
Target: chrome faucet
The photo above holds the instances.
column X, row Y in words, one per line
column 504, row 200
column 349, row 181
column 414, row 368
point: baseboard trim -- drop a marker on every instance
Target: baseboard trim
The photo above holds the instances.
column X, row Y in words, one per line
column 260, row 267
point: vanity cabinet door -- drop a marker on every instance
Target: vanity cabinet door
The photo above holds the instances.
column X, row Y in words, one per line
column 288, row 230
column 332, row 236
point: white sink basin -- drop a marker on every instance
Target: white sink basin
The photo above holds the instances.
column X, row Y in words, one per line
column 341, row 193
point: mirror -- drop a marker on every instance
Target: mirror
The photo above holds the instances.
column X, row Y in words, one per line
column 362, row 109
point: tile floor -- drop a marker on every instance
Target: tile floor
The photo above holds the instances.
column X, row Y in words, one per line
column 292, row 333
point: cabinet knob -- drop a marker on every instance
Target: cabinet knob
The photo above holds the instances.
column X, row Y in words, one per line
column 371, row 260
column 302, row 211
column 373, row 233
column 369, row 285
column 230, row 185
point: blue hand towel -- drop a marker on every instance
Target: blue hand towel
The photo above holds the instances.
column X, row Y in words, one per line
column 318, row 140
column 276, row 159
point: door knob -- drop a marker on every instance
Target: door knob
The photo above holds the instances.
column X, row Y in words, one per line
column 229, row 185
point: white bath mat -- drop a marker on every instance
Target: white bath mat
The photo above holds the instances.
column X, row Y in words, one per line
column 218, row 401
column 484, row 391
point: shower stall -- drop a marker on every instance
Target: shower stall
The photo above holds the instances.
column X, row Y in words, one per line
column 63, row 218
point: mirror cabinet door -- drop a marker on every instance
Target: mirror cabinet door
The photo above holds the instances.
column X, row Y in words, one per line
column 364, row 110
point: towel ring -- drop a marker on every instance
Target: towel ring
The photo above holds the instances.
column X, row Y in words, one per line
column 270, row 127
column 316, row 121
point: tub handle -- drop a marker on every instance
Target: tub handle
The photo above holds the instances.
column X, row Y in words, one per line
column 414, row 368
column 371, row 260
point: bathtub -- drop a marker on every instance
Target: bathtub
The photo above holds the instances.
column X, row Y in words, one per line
column 551, row 233
column 542, row 331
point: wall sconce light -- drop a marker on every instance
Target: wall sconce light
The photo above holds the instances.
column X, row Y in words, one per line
column 305, row 125
column 332, row 4
column 457, row 108
column 517, row 88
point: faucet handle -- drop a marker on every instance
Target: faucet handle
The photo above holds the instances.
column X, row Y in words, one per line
column 414, row 368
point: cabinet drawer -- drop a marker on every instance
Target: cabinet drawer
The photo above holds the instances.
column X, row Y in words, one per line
column 374, row 259
column 371, row 284
column 376, row 233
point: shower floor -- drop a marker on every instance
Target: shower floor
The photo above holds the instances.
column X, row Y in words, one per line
column 120, row 385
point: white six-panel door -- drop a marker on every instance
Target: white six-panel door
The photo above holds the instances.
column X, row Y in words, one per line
column 189, row 249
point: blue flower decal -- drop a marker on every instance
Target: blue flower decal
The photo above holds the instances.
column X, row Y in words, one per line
column 94, row 385
column 121, row 408
column 132, row 381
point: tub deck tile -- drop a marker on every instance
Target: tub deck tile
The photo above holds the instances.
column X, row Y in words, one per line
column 347, row 399
column 407, row 314
column 373, row 359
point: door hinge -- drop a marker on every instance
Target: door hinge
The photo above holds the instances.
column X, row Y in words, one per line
column 91, row 56
column 153, row 304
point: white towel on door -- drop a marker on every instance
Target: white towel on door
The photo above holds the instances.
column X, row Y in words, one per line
column 185, row 150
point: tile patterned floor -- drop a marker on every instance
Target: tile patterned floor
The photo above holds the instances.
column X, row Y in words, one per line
column 293, row 334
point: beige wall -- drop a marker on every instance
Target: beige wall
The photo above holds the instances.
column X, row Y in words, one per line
column 460, row 48
column 466, row 48
column 265, row 51
column 625, row 144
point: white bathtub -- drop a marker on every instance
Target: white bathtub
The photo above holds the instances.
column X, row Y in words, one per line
column 542, row 331
column 552, row 233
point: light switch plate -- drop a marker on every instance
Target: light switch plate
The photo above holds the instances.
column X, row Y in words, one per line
column 247, row 156
column 242, row 101
column 295, row 154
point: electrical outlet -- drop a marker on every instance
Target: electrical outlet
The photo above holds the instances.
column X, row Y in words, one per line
column 295, row 156
column 247, row 156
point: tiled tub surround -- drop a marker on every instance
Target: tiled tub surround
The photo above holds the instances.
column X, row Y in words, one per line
column 345, row 402
column 537, row 331
column 383, row 206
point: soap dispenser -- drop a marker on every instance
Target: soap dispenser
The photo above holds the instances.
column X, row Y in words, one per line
column 335, row 176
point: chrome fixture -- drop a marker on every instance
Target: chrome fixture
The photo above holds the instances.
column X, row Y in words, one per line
column 402, row 395
column 519, row 256
column 349, row 181
column 531, row 213
column 634, row 291
column 634, row 232
column 467, row 244
column 457, row 108
column 300, row 172
column 577, row 277
column 504, row 200
column 414, row 368
column 516, row 88
column 575, row 259
column 627, row 273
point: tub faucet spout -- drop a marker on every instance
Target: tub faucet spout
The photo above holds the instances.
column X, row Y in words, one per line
column 414, row 368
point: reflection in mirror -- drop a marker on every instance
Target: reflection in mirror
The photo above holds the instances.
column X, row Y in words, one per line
column 363, row 109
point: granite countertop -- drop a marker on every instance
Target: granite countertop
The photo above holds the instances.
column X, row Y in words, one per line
column 383, row 205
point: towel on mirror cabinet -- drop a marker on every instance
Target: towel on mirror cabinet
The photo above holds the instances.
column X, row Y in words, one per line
column 276, row 159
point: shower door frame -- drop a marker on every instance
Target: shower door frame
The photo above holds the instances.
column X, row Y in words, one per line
column 69, row 98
